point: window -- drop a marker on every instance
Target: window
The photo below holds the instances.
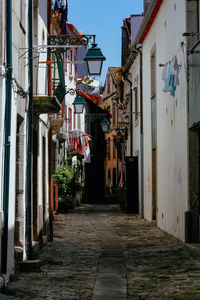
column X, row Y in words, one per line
column 108, row 84
column 109, row 174
column 71, row 62
column 62, row 111
column 108, row 148
column 153, row 73
column 78, row 121
column 114, row 115
column 66, row 117
column 136, row 103
column 153, row 98
column 75, row 59
column 114, row 150
column 66, row 59
column 66, row 111
column 70, row 119
column 114, row 177
column 74, row 120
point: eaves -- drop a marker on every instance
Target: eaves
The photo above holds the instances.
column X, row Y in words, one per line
column 148, row 21
column 144, row 30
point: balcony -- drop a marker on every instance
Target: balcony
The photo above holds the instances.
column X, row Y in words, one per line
column 46, row 104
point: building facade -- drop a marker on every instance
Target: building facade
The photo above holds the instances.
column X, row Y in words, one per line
column 166, row 48
column 111, row 161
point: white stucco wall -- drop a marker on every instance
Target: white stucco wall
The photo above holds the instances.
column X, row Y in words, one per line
column 172, row 169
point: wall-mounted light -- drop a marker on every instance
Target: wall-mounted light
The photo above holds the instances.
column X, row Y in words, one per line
column 105, row 125
column 78, row 104
column 94, row 59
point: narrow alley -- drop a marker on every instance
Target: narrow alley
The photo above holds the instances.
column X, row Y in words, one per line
column 100, row 253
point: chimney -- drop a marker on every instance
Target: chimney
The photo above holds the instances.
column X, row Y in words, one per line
column 146, row 5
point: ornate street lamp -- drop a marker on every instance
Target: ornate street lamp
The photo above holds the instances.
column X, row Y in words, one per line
column 94, row 59
column 105, row 125
column 79, row 104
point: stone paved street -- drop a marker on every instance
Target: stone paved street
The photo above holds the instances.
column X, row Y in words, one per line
column 100, row 253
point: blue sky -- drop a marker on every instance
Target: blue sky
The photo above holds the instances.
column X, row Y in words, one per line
column 103, row 18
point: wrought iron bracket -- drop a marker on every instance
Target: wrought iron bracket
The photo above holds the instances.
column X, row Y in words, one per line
column 72, row 92
column 70, row 39
column 95, row 117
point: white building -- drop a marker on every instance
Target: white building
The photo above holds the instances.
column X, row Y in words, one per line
column 15, row 241
column 164, row 117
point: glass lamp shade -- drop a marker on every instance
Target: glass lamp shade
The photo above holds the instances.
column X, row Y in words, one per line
column 79, row 104
column 105, row 124
column 94, row 59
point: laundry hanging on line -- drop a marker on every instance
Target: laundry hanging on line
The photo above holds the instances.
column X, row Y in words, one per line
column 171, row 76
column 87, row 157
column 60, row 11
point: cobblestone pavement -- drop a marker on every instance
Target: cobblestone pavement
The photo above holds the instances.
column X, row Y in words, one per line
column 100, row 253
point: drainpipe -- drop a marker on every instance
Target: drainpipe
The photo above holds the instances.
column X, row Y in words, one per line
column 30, row 131
column 141, row 138
column 131, row 113
column 7, row 135
column 50, row 142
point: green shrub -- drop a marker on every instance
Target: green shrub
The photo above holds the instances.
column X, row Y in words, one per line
column 68, row 180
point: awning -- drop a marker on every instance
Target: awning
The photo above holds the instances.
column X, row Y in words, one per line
column 93, row 98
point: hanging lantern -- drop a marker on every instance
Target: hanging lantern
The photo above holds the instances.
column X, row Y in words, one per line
column 105, row 125
column 94, row 59
column 79, row 104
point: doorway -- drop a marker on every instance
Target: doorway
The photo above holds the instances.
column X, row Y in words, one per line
column 132, row 191
column 154, row 133
column 35, row 185
column 44, row 183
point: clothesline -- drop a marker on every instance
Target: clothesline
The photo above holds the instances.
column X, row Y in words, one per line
column 180, row 48
column 163, row 65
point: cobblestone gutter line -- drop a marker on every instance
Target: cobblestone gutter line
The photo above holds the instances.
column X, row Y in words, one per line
column 111, row 280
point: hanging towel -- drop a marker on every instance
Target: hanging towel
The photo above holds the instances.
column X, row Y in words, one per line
column 171, row 76
column 167, row 77
column 165, row 72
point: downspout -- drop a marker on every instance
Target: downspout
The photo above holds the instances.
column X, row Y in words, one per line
column 141, row 138
column 50, row 142
column 7, row 136
column 30, row 130
column 131, row 112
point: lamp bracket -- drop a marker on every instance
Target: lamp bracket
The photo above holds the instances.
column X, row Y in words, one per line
column 71, row 92
column 95, row 117
column 69, row 40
